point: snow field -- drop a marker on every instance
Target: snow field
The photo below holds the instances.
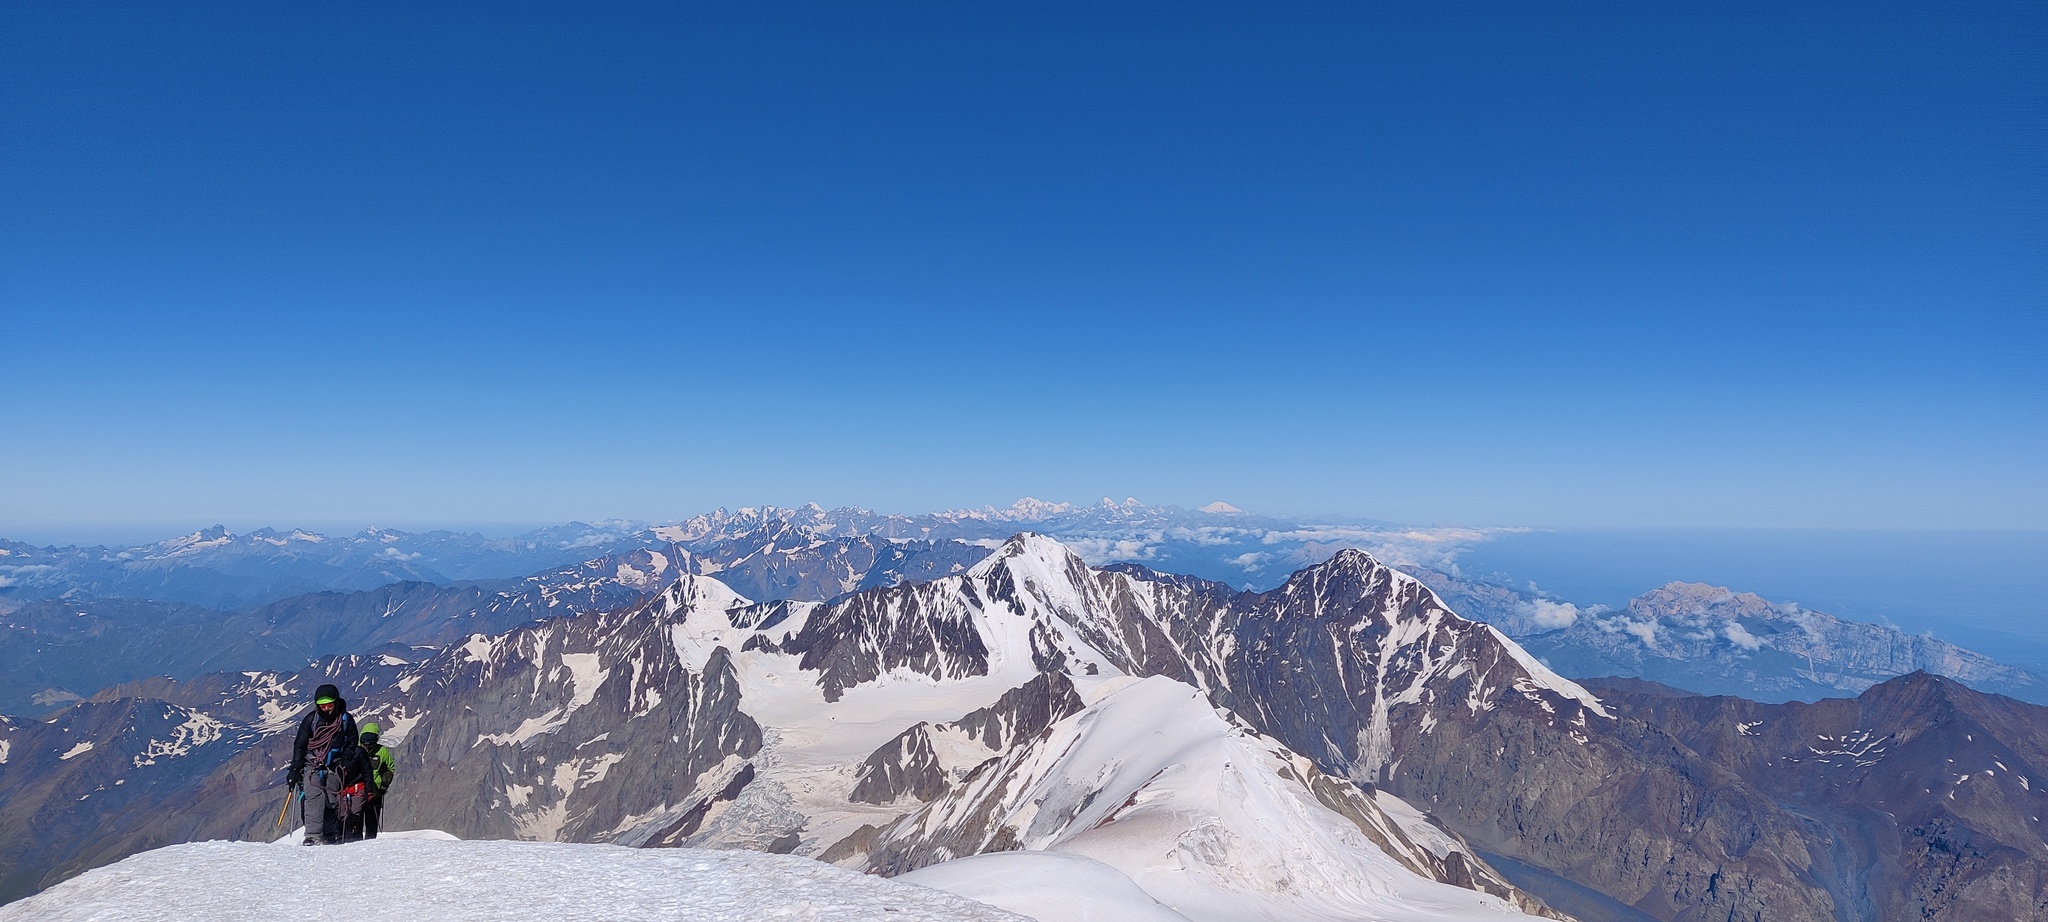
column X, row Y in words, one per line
column 423, row 879
column 1048, row 886
column 1151, row 783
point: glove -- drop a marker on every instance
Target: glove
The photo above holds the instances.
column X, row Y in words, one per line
column 293, row 781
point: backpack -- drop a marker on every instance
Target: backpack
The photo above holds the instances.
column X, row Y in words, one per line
column 352, row 764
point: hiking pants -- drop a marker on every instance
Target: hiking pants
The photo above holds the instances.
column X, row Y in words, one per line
column 322, row 789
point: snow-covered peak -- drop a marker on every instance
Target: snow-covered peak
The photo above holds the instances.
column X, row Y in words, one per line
column 1352, row 559
column 1352, row 573
column 1348, row 572
column 1028, row 509
column 1035, row 508
column 1221, row 508
column 698, row 607
column 1037, row 572
column 1032, row 554
column 1406, row 615
column 195, row 542
column 692, row 592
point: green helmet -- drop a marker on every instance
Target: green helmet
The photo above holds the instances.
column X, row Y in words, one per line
column 372, row 728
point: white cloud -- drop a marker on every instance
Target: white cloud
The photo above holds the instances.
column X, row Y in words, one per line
column 1214, row 536
column 1099, row 551
column 1547, row 614
column 1645, row 631
column 1741, row 637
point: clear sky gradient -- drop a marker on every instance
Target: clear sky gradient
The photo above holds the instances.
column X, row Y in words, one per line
column 1756, row 265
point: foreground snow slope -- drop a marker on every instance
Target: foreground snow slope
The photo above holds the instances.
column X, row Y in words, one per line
column 1048, row 886
column 423, row 879
column 1210, row 819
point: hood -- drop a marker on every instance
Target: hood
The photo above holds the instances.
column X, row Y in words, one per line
column 330, row 691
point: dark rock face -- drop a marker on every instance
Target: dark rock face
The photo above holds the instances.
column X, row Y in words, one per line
column 1923, row 791
column 908, row 764
column 1022, row 712
column 921, row 628
column 904, row 765
column 600, row 707
column 1626, row 813
column 573, row 702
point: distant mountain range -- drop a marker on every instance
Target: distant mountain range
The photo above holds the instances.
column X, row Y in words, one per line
column 1715, row 641
column 216, row 568
column 219, row 569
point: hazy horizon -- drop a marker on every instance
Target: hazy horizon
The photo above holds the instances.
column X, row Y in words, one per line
column 141, row 532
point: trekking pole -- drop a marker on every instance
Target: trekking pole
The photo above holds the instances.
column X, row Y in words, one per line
column 287, row 806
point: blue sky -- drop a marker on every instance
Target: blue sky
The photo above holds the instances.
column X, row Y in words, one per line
column 1604, row 265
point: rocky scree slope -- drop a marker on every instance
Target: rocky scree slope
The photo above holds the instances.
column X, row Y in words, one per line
column 1927, row 795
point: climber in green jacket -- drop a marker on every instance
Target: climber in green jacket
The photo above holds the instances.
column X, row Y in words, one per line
column 381, row 772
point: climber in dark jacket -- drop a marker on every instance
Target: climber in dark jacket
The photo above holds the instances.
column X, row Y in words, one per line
column 326, row 746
